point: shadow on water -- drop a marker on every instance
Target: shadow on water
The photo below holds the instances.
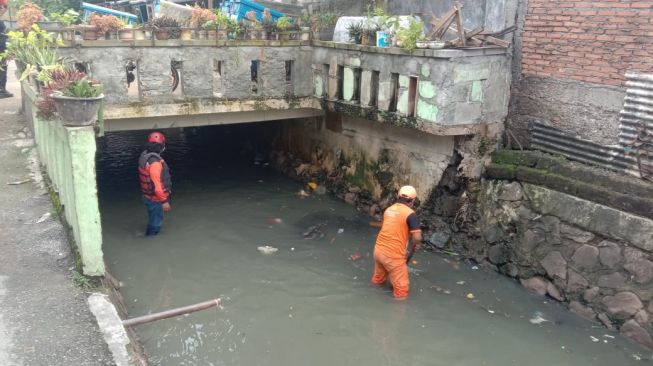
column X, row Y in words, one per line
column 309, row 303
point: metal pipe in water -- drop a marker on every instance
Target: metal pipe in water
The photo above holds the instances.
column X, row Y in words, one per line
column 171, row 313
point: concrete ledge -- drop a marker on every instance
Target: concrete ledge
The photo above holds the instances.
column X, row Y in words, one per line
column 621, row 192
column 591, row 216
column 443, row 53
column 184, row 43
column 111, row 327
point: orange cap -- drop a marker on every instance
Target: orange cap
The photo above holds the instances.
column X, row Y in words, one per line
column 408, row 192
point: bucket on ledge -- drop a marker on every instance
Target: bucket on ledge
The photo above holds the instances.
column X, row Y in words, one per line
column 383, row 39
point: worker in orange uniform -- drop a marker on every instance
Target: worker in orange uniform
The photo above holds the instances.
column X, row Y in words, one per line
column 399, row 238
column 156, row 185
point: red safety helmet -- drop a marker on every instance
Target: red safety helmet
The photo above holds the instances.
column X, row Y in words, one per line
column 156, row 137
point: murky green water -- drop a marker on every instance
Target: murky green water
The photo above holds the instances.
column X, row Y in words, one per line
column 309, row 303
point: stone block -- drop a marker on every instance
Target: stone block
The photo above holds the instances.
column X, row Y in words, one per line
column 614, row 280
column 402, row 102
column 576, row 282
column 642, row 318
column 575, row 234
column 333, row 66
column 426, row 89
column 642, row 269
column 586, row 257
column 510, row 270
column 333, row 87
column 590, row 294
column 623, row 305
column 606, row 321
column 353, row 61
column 582, row 311
column 498, row 254
column 553, row 291
column 404, row 81
column 634, row 331
column 537, row 285
column 318, row 86
column 510, row 192
column 477, row 91
column 385, row 95
column 609, row 254
column 462, row 73
column 425, row 70
column 348, row 84
column 555, row 265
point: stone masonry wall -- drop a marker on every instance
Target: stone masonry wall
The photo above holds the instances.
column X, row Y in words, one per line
column 601, row 277
column 570, row 63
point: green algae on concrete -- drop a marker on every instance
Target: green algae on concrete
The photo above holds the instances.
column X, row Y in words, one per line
column 404, row 81
column 427, row 110
column 477, row 91
column 426, row 89
column 319, row 86
column 463, row 73
column 348, row 84
column 425, row 71
column 68, row 154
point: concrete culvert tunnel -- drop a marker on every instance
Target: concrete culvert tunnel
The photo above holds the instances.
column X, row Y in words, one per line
column 310, row 295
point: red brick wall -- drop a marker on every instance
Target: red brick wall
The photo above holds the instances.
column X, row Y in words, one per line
column 591, row 41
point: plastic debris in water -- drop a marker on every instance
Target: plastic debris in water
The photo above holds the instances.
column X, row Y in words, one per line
column 475, row 267
column 594, row 339
column 355, row 256
column 414, row 262
column 470, row 296
column 538, row 318
column 266, row 249
column 460, row 283
column 490, row 311
column 303, row 194
column 274, row 220
column 312, row 185
column 341, row 230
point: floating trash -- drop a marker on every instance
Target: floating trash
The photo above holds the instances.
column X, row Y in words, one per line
column 341, row 230
column 266, row 249
column 460, row 283
column 538, row 318
column 470, row 296
column 594, row 339
column 355, row 256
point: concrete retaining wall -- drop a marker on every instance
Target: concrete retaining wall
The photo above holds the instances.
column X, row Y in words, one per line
column 361, row 159
column 68, row 156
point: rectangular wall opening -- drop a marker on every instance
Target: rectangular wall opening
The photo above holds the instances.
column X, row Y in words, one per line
column 374, row 89
column 325, row 80
column 341, row 74
column 412, row 94
column 289, row 67
column 133, row 81
column 254, row 69
column 394, row 92
column 176, row 77
column 357, row 86
column 218, row 91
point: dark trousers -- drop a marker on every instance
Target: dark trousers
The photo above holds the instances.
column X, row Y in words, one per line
column 154, row 216
column 3, row 64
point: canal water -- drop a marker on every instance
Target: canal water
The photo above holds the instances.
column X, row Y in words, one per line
column 310, row 302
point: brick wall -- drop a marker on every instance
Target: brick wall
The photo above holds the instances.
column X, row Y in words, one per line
column 590, row 41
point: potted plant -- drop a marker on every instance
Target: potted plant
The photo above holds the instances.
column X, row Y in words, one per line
column 284, row 24
column 199, row 16
column 28, row 14
column 107, row 25
column 305, row 25
column 34, row 52
column 322, row 21
column 165, row 28
column 410, row 35
column 78, row 103
column 269, row 26
column 59, row 79
column 67, row 19
column 355, row 32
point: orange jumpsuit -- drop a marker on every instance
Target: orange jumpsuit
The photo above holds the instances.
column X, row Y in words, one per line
column 399, row 221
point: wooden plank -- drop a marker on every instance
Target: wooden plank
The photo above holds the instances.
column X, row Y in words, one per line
column 459, row 24
column 444, row 22
column 493, row 40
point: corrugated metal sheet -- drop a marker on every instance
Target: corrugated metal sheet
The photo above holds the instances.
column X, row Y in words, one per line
column 633, row 155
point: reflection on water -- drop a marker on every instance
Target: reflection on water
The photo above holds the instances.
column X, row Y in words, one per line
column 309, row 303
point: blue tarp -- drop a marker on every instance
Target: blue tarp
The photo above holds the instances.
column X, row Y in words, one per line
column 91, row 8
column 238, row 9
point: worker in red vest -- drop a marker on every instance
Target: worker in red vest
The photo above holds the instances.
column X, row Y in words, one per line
column 156, row 185
column 396, row 243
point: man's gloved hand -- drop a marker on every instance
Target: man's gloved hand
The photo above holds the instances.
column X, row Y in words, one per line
column 166, row 207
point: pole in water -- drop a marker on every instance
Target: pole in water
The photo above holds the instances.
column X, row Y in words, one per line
column 171, row 313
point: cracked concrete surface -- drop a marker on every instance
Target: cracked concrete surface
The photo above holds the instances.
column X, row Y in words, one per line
column 44, row 317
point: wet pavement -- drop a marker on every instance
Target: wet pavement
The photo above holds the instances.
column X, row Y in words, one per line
column 310, row 301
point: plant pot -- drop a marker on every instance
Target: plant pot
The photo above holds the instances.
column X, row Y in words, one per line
column 88, row 33
column 161, row 34
column 422, row 44
column 305, row 35
column 186, row 34
column 212, row 34
column 148, row 33
column 112, row 35
column 436, row 45
column 126, row 34
column 316, row 35
column 139, row 34
column 68, row 34
column 201, row 34
column 76, row 111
